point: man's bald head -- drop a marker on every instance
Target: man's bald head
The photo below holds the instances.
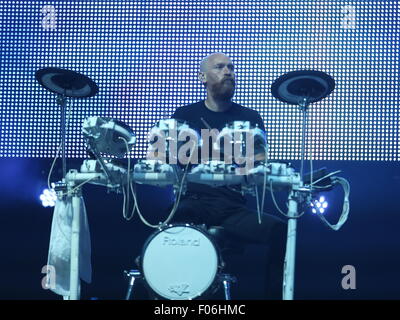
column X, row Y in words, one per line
column 218, row 76
column 205, row 63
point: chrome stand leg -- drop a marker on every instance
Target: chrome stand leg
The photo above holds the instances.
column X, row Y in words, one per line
column 227, row 279
column 132, row 275
column 227, row 289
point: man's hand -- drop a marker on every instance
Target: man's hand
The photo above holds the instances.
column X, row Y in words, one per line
column 260, row 157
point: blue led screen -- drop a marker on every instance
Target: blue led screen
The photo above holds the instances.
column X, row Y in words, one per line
column 144, row 56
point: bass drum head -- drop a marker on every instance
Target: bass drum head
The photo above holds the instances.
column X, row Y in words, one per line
column 179, row 262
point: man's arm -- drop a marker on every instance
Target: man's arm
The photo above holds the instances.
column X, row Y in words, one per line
column 260, row 157
column 260, row 152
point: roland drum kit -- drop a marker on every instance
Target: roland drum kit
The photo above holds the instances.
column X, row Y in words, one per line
column 181, row 261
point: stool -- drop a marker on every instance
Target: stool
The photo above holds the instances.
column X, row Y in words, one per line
column 132, row 275
column 225, row 243
column 227, row 246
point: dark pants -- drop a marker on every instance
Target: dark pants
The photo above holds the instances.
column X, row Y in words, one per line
column 242, row 224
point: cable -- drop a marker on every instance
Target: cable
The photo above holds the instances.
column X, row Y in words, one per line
column 168, row 218
column 326, row 176
column 274, row 200
column 185, row 171
column 311, row 170
column 346, row 205
column 77, row 187
column 123, row 202
column 171, row 213
column 126, row 201
column 311, row 182
column 264, row 182
column 67, row 194
column 261, row 210
column 59, row 147
column 126, row 206
column 258, row 204
column 277, row 207
column 324, row 187
column 52, row 166
column 173, row 210
column 315, row 187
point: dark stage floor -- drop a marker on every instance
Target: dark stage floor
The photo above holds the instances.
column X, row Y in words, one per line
column 369, row 240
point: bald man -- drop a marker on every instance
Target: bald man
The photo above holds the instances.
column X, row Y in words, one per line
column 226, row 206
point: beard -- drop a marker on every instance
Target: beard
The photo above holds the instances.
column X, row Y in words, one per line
column 223, row 90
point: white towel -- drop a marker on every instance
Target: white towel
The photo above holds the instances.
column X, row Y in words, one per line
column 59, row 258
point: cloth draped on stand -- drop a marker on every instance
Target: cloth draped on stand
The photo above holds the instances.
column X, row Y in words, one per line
column 59, row 257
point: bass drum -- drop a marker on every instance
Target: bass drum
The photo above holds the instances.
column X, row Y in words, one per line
column 180, row 262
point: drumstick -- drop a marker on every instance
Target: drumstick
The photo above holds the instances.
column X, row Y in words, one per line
column 209, row 128
column 205, row 122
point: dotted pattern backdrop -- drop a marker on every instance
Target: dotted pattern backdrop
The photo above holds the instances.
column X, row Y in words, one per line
column 144, row 56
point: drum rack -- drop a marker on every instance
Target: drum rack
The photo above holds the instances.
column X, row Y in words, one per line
column 277, row 174
column 300, row 88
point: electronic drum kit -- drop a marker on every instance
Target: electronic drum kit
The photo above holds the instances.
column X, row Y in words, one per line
column 175, row 253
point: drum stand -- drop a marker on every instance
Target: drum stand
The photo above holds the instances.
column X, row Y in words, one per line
column 74, row 287
column 74, row 192
column 224, row 278
column 299, row 88
column 66, row 83
column 295, row 197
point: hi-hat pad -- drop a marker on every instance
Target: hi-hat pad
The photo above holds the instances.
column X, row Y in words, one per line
column 66, row 82
column 302, row 86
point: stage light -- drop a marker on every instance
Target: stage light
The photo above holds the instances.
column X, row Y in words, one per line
column 48, row 198
column 319, row 205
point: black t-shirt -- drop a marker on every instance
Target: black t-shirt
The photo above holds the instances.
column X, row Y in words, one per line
column 198, row 116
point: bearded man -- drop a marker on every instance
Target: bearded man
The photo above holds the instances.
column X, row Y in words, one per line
column 226, row 206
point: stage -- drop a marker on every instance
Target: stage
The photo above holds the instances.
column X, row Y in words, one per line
column 368, row 241
column 94, row 79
